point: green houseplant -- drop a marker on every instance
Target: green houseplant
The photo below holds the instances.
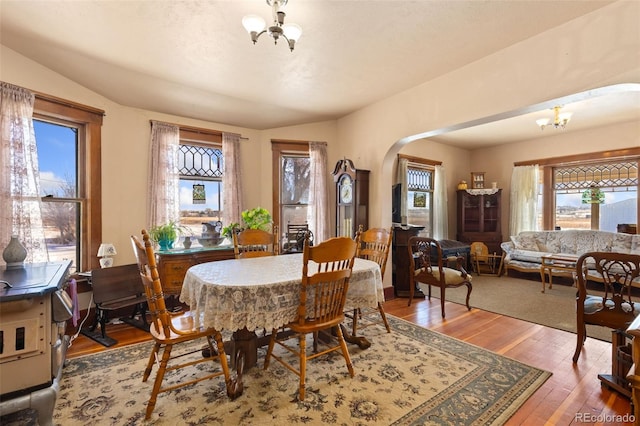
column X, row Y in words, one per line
column 256, row 218
column 165, row 234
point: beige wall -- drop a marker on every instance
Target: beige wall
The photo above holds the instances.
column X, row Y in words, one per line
column 593, row 51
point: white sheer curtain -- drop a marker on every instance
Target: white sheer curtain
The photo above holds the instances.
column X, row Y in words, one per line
column 401, row 178
column 318, row 214
column 21, row 212
column 524, row 199
column 440, row 210
column 163, row 204
column 232, row 180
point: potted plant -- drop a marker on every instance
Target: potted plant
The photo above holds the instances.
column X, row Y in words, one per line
column 166, row 234
column 256, row 218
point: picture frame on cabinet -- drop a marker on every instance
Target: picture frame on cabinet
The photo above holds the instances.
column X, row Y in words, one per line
column 477, row 180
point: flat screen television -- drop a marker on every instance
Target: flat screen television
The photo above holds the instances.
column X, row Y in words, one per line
column 396, row 198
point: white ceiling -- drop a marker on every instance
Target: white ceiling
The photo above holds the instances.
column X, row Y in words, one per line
column 194, row 58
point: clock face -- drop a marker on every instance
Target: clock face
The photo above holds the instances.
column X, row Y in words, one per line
column 346, row 191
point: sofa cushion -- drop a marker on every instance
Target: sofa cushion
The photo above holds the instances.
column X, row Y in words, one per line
column 525, row 241
column 551, row 242
column 621, row 243
column 529, row 255
column 635, row 244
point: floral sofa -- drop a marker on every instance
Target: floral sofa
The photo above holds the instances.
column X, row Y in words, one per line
column 524, row 252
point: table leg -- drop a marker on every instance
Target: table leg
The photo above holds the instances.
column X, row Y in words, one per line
column 542, row 277
column 245, row 343
column 361, row 341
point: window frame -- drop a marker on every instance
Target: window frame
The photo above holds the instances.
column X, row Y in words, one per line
column 88, row 120
column 423, row 163
column 279, row 148
column 212, row 139
column 547, row 166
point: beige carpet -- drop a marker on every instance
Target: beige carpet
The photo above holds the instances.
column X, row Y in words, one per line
column 523, row 299
column 410, row 376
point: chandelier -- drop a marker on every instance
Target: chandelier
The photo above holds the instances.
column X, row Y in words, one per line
column 559, row 120
column 254, row 25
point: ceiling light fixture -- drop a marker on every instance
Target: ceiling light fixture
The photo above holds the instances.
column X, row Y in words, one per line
column 254, row 25
column 559, row 120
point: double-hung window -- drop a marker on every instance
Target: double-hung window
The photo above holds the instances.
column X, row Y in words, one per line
column 420, row 196
column 68, row 138
column 201, row 167
column 291, row 182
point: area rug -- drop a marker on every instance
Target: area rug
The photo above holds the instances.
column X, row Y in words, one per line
column 409, row 376
column 523, row 299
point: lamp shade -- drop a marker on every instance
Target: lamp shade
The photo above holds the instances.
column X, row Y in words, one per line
column 253, row 23
column 106, row 249
column 292, row 31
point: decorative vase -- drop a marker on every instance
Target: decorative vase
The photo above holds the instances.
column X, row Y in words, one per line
column 187, row 242
column 165, row 244
column 14, row 254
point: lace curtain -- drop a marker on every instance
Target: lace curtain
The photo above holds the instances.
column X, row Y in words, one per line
column 401, row 178
column 164, row 178
column 440, row 211
column 232, row 182
column 21, row 212
column 318, row 216
column 524, row 199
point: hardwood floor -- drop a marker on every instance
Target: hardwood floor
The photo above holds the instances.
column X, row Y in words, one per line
column 572, row 391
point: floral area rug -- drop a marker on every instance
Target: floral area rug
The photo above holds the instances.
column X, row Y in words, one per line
column 409, row 376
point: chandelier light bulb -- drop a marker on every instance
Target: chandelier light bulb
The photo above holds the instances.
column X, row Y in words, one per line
column 255, row 25
column 292, row 31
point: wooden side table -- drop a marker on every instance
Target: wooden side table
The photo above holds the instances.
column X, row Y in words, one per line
column 562, row 262
column 173, row 264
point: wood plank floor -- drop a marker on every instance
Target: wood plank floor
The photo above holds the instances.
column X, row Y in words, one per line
column 572, row 391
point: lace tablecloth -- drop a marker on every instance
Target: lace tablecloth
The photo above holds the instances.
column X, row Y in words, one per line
column 263, row 292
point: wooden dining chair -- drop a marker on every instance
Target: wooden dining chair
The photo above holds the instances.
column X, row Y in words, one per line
column 427, row 266
column 613, row 306
column 373, row 244
column 255, row 243
column 170, row 330
column 326, row 271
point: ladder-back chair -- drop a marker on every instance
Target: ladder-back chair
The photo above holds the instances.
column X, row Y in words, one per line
column 373, row 244
column 170, row 330
column 325, row 280
column 255, row 243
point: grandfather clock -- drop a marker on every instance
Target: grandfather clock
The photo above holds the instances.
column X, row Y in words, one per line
column 352, row 198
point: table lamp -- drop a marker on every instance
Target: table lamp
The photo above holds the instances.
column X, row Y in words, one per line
column 105, row 252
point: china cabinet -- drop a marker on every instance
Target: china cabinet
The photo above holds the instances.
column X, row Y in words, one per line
column 479, row 217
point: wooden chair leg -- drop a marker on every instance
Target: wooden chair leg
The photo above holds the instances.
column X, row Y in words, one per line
column 152, row 360
column 384, row 319
column 469, row 288
column 345, row 350
column 442, row 290
column 272, row 342
column 412, row 284
column 157, row 384
column 303, row 365
column 581, row 335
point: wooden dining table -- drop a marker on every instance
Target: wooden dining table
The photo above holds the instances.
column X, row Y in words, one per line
column 263, row 293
